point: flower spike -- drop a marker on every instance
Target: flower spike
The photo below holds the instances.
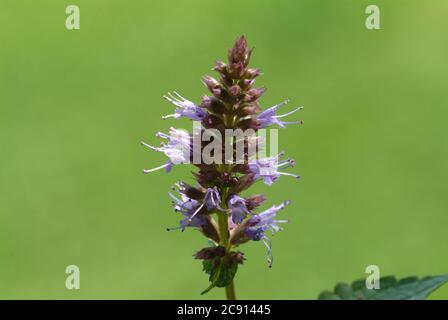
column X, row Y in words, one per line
column 214, row 205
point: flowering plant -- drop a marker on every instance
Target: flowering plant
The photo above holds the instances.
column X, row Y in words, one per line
column 232, row 105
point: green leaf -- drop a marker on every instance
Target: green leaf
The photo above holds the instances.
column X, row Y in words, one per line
column 208, row 266
column 225, row 274
column 221, row 271
column 410, row 288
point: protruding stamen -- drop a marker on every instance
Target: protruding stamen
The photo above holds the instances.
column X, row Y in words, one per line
column 149, row 146
column 162, row 135
column 176, row 200
column 267, row 242
column 176, row 99
column 175, row 228
column 293, row 122
column 289, row 113
column 286, row 164
column 289, row 174
column 276, row 107
column 195, row 213
column 177, row 94
column 155, row 169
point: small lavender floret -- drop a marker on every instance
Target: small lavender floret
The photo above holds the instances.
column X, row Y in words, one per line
column 270, row 117
column 238, row 209
column 189, row 208
column 177, row 149
column 185, row 108
column 212, row 199
column 269, row 168
column 258, row 224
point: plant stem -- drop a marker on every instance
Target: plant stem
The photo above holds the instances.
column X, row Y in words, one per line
column 230, row 291
column 223, row 229
column 224, row 235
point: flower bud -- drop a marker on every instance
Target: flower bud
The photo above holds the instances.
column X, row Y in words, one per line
column 240, row 53
column 210, row 230
column 254, row 201
column 190, row 191
column 254, row 94
column 211, row 83
column 213, row 104
column 235, row 90
column 220, row 67
column 252, row 73
column 237, row 257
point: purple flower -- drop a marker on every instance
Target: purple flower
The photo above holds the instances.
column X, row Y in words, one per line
column 212, row 199
column 177, row 149
column 238, row 209
column 185, row 108
column 189, row 208
column 258, row 224
column 269, row 168
column 269, row 117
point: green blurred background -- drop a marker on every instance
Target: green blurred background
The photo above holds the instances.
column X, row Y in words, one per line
column 75, row 104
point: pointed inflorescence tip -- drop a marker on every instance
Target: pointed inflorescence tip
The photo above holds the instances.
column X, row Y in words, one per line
column 241, row 41
column 239, row 52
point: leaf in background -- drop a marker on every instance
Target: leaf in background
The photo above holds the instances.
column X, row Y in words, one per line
column 410, row 288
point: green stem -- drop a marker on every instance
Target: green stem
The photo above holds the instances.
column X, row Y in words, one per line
column 223, row 229
column 230, row 291
column 223, row 217
column 224, row 235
